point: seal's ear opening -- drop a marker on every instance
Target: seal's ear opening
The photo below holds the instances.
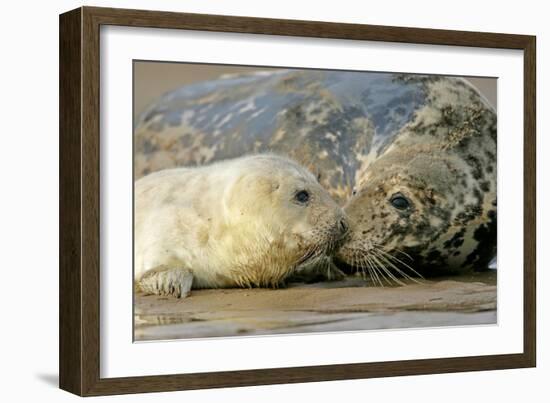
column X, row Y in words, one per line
column 264, row 186
column 250, row 193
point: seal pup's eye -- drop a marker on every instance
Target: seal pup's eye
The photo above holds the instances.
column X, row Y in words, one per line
column 302, row 196
column 400, row 202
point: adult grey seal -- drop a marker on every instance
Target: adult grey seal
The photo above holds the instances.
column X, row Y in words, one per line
column 412, row 157
column 428, row 198
column 246, row 222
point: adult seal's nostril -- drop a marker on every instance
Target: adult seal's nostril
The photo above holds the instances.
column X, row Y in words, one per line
column 343, row 227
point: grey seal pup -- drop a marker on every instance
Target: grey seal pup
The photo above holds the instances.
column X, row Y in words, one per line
column 245, row 222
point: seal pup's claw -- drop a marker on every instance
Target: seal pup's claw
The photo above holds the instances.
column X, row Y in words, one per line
column 176, row 282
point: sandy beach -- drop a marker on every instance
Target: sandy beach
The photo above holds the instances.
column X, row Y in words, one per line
column 348, row 305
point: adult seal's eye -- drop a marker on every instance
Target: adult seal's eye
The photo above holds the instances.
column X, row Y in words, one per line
column 400, row 202
column 302, row 196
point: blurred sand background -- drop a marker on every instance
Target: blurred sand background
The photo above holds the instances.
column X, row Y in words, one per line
column 152, row 79
column 348, row 305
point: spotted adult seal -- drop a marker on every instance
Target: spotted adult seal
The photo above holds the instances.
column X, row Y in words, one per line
column 246, row 222
column 412, row 157
column 429, row 195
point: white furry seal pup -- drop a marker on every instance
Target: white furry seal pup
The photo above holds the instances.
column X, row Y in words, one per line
column 246, row 222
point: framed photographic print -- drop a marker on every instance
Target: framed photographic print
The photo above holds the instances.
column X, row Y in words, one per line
column 250, row 201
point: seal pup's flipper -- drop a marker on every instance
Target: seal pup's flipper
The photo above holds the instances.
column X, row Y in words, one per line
column 165, row 280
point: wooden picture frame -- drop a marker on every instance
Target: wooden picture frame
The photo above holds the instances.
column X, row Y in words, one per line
column 79, row 346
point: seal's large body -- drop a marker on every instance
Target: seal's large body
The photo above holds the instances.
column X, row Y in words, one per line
column 412, row 157
column 244, row 222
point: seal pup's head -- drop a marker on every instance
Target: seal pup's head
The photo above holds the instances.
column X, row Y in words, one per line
column 281, row 219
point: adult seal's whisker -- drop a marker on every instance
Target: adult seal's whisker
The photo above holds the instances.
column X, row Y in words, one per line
column 394, row 267
column 391, row 257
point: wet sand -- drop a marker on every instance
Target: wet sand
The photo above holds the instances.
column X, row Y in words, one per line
column 351, row 304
